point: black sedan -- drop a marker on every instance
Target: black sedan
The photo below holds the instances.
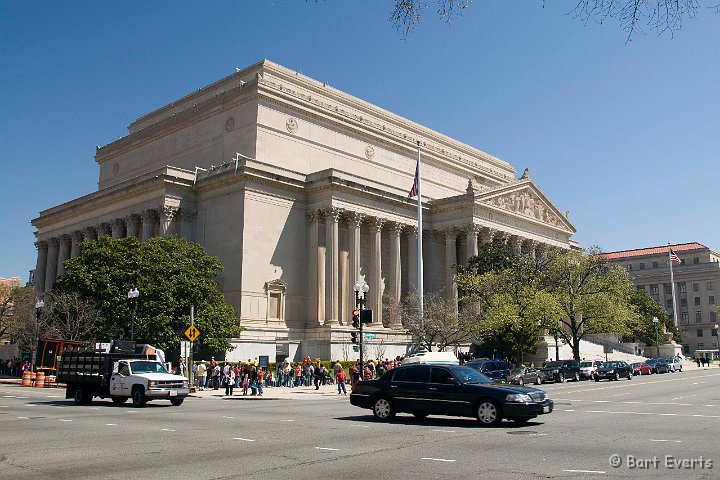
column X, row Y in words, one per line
column 613, row 371
column 658, row 365
column 448, row 390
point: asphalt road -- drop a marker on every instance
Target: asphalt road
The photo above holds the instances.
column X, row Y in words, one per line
column 42, row 435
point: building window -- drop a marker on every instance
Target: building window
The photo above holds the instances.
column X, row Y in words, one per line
column 696, row 260
column 713, row 317
column 701, row 346
column 710, row 286
column 698, row 316
column 682, row 261
column 685, row 318
column 642, row 266
column 654, row 289
column 655, row 265
column 683, row 287
column 696, row 287
column 629, row 267
column 699, row 332
column 697, row 301
column 668, row 288
column 683, row 302
column 711, row 300
column 641, row 288
column 668, row 303
column 686, row 349
column 275, row 291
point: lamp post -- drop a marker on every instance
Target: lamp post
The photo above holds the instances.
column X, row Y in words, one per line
column 38, row 311
column 133, row 295
column 360, row 303
column 657, row 342
column 717, row 339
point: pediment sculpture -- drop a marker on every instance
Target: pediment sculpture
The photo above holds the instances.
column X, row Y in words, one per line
column 525, row 202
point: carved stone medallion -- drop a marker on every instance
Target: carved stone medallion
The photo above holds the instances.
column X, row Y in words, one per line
column 229, row 124
column 116, row 169
column 291, row 125
column 369, row 152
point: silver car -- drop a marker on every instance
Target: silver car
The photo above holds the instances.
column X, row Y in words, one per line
column 588, row 367
column 674, row 364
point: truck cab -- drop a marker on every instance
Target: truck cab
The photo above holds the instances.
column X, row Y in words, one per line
column 144, row 380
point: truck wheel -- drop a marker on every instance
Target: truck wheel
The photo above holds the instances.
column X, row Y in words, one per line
column 82, row 397
column 176, row 402
column 119, row 400
column 138, row 397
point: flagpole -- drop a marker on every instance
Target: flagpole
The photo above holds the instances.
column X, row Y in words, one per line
column 672, row 286
column 419, row 243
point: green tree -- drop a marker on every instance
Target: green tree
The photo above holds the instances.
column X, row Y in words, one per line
column 594, row 296
column 642, row 328
column 14, row 301
column 171, row 275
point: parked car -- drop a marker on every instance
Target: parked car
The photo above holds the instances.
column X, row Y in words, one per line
column 560, row 370
column 497, row 370
column 454, row 390
column 674, row 364
column 658, row 365
column 641, row 368
column 613, row 371
column 522, row 375
column 588, row 367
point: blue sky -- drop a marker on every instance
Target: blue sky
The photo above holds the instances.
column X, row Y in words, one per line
column 624, row 136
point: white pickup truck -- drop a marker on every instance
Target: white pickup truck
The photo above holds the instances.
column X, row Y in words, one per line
column 144, row 380
column 92, row 373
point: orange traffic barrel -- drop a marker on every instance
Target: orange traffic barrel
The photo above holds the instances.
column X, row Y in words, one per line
column 26, row 378
column 40, row 380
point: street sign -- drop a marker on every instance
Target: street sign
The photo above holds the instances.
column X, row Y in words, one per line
column 370, row 336
column 192, row 333
column 356, row 348
column 185, row 349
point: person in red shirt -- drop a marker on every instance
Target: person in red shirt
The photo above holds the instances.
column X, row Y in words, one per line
column 340, row 380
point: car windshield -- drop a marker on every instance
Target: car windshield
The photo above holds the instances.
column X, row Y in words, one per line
column 147, row 367
column 652, row 361
column 553, row 365
column 517, row 370
column 586, row 364
column 637, row 365
column 469, row 375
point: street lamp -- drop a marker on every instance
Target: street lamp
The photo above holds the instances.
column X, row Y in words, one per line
column 657, row 342
column 360, row 305
column 133, row 295
column 717, row 339
column 38, row 311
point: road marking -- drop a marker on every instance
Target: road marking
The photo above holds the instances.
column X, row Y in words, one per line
column 167, row 430
column 621, row 394
column 444, row 431
column 361, row 426
column 627, row 402
column 244, row 439
column 585, row 471
column 686, row 396
column 537, row 435
column 24, row 418
column 674, row 379
column 641, row 413
column 697, row 383
column 327, row 448
column 32, row 404
column 53, row 396
column 4, row 406
column 437, row 459
column 111, row 424
column 222, row 416
column 658, row 440
column 291, row 420
column 64, row 420
column 8, row 396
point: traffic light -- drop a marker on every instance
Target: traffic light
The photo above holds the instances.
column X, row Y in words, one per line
column 354, row 337
column 356, row 319
column 366, row 316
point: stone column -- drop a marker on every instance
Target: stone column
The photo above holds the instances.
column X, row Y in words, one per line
column 395, row 270
column 540, row 250
column 90, row 234
column 103, row 230
column 332, row 255
column 167, row 213
column 487, row 235
column 63, row 254
column 76, row 240
column 41, row 266
column 413, row 281
column 529, row 248
column 133, row 225
column 312, row 266
column 52, row 259
column 376, row 287
column 515, row 243
column 148, row 223
column 187, row 223
column 450, row 260
column 471, row 232
column 118, row 228
column 354, row 220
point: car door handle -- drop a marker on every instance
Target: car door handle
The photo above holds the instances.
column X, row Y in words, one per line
column 393, row 386
column 432, row 388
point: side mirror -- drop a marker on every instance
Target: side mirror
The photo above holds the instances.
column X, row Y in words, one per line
column 452, row 381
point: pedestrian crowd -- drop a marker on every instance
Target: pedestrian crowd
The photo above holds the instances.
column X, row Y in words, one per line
column 13, row 367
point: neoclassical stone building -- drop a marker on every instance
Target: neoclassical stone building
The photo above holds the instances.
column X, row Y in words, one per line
column 316, row 199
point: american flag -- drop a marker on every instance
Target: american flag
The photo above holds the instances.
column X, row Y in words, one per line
column 674, row 257
column 416, row 184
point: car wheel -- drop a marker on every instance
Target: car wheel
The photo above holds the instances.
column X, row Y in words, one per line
column 119, row 400
column 538, row 381
column 561, row 378
column 176, row 402
column 576, row 377
column 629, row 376
column 617, row 377
column 420, row 415
column 383, row 409
column 488, row 413
column 597, row 379
column 138, row 397
column 521, row 382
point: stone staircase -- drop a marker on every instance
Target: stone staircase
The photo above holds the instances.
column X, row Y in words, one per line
column 590, row 349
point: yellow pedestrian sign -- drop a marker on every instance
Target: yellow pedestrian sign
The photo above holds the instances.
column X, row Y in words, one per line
column 192, row 333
